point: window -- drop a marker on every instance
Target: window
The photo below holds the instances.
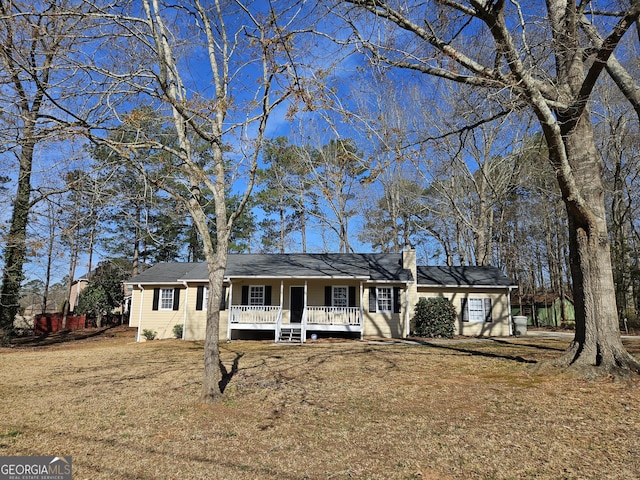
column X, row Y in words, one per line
column 476, row 310
column 384, row 296
column 340, row 297
column 166, row 299
column 256, row 295
column 202, row 297
column 384, row 299
column 205, row 297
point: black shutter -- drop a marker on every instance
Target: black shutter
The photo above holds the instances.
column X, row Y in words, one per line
column 176, row 299
column 267, row 295
column 327, row 296
column 199, row 297
column 487, row 310
column 156, row 298
column 465, row 310
column 396, row 299
column 373, row 304
column 352, row 296
column 245, row 295
column 223, row 299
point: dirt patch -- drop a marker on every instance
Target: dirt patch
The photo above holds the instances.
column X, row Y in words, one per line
column 326, row 410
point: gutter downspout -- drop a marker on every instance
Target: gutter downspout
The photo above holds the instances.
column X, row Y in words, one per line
column 140, row 314
column 406, row 310
column 186, row 302
column 510, row 320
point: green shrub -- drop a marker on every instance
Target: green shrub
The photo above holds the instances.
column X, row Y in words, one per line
column 177, row 330
column 434, row 318
column 149, row 334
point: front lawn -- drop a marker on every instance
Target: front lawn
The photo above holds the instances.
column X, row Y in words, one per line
column 470, row 409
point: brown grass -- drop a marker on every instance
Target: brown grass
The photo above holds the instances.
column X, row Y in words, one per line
column 467, row 409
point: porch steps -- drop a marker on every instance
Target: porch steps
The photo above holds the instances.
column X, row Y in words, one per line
column 290, row 335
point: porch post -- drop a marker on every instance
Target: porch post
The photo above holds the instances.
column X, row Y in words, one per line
column 279, row 321
column 303, row 327
column 230, row 312
column 361, row 311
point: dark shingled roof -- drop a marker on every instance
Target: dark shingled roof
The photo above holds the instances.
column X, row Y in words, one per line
column 370, row 266
column 463, row 277
column 170, row 272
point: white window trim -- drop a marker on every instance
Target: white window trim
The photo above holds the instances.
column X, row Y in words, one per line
column 334, row 288
column 478, row 311
column 250, row 299
column 163, row 299
column 379, row 298
column 205, row 297
column 475, row 308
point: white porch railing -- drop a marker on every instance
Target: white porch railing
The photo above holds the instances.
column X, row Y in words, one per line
column 255, row 314
column 333, row 315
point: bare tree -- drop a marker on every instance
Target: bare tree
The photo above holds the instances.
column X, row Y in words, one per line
column 521, row 57
column 37, row 43
column 240, row 41
column 334, row 170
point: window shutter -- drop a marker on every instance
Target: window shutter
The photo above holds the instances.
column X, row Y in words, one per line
column 199, row 297
column 156, row 298
column 465, row 310
column 267, row 295
column 373, row 304
column 223, row 299
column 487, row 310
column 327, row 296
column 396, row 299
column 176, row 299
column 245, row 295
column 352, row 296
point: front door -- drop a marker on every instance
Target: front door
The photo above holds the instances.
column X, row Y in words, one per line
column 296, row 302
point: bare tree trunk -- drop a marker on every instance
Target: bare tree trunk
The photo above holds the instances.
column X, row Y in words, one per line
column 50, row 244
column 15, row 246
column 597, row 341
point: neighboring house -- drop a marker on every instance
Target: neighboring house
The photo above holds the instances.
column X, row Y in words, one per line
column 292, row 296
column 545, row 309
column 76, row 289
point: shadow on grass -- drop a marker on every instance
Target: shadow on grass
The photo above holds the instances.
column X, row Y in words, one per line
column 527, row 345
column 478, row 353
column 63, row 336
column 227, row 375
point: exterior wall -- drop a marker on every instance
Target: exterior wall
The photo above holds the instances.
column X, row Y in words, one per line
column 499, row 309
column 135, row 308
column 386, row 325
column 160, row 321
column 195, row 321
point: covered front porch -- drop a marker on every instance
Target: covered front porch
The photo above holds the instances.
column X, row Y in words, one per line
column 295, row 317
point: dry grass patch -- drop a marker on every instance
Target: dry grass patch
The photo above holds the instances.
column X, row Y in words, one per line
column 454, row 409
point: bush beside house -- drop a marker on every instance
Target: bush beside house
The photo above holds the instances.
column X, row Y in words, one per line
column 434, row 318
